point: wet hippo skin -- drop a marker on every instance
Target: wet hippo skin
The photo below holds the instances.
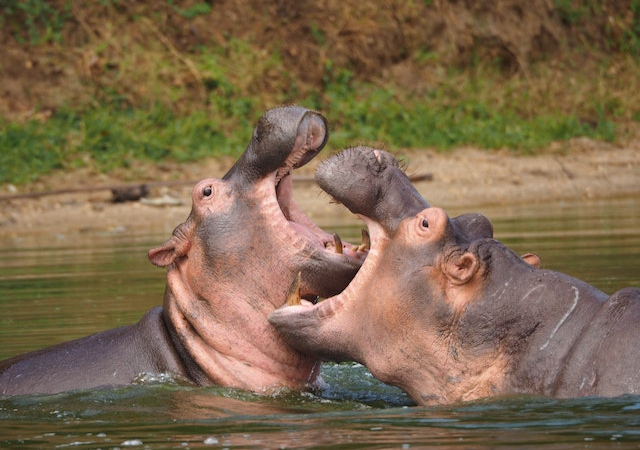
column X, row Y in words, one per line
column 228, row 266
column 447, row 313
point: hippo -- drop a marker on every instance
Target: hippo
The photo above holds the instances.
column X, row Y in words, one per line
column 450, row 315
column 228, row 266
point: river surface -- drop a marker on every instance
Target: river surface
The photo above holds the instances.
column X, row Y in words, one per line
column 54, row 288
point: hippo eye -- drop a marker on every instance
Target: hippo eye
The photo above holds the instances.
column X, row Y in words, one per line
column 425, row 223
column 207, row 191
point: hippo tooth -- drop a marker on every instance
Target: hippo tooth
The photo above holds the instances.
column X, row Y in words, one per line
column 338, row 243
column 366, row 241
column 293, row 296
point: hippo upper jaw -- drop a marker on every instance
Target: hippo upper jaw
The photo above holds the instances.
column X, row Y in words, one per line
column 372, row 183
column 284, row 139
column 327, row 264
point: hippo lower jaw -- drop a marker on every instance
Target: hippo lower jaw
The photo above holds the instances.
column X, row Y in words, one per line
column 316, row 328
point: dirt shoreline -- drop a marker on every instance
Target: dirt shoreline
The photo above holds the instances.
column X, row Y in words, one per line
column 461, row 179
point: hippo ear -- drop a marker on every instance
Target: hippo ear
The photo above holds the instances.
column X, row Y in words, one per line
column 461, row 269
column 532, row 259
column 176, row 247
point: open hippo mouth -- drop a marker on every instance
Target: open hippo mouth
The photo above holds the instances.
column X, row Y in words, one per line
column 285, row 140
column 315, row 236
column 329, row 248
column 371, row 184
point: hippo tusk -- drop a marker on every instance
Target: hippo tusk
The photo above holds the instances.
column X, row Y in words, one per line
column 365, row 246
column 366, row 241
column 338, row 243
column 293, row 296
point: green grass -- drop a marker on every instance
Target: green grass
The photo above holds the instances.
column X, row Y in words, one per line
column 381, row 117
column 460, row 112
column 34, row 21
column 110, row 137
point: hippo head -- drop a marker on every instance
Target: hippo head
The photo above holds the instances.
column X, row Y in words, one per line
column 232, row 261
column 414, row 282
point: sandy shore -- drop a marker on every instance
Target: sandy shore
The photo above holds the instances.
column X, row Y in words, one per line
column 460, row 179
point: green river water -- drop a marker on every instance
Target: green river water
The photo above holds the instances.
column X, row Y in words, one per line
column 53, row 289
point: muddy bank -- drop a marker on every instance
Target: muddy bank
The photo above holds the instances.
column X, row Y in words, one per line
column 461, row 180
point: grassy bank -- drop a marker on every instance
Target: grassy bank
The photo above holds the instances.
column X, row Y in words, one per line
column 141, row 96
column 483, row 109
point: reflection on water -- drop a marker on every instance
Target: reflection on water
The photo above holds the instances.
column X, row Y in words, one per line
column 55, row 290
column 163, row 416
column 63, row 290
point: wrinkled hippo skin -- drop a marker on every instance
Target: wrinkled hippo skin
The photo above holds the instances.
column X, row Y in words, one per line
column 448, row 314
column 228, row 266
